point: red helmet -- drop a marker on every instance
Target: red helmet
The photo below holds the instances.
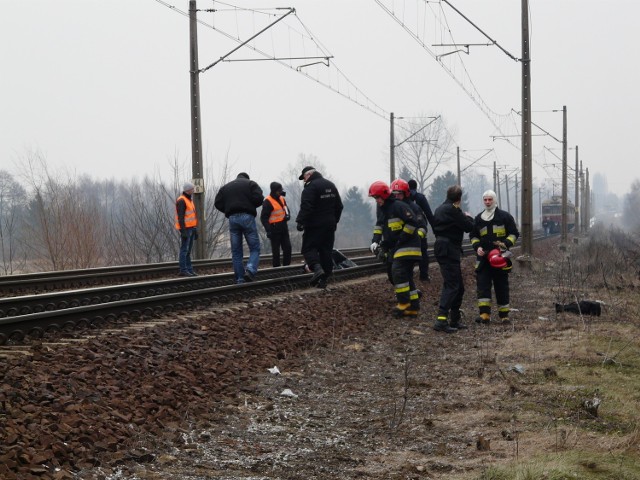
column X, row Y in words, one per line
column 400, row 185
column 496, row 260
column 379, row 189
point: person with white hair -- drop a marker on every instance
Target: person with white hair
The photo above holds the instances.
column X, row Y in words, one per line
column 494, row 233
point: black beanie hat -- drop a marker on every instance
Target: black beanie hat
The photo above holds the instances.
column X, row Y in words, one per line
column 275, row 186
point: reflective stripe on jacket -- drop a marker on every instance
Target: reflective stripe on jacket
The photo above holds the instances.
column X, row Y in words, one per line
column 279, row 213
column 190, row 219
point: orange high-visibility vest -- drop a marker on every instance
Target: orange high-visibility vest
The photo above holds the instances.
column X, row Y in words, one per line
column 190, row 219
column 279, row 213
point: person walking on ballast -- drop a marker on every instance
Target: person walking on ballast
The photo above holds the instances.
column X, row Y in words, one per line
column 275, row 217
column 494, row 233
column 320, row 211
column 187, row 225
column 238, row 200
column 450, row 225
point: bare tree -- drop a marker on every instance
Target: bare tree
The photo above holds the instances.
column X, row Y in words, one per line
column 63, row 228
column 424, row 148
column 11, row 210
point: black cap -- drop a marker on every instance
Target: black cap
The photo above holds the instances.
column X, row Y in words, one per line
column 243, row 175
column 275, row 186
column 305, row 170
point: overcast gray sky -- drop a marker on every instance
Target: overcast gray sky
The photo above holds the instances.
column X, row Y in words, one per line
column 102, row 87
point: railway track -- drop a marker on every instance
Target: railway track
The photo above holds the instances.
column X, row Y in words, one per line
column 34, row 315
column 71, row 279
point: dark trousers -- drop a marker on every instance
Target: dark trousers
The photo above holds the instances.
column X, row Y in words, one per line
column 424, row 261
column 402, row 279
column 280, row 239
column 317, row 244
column 452, row 289
column 487, row 276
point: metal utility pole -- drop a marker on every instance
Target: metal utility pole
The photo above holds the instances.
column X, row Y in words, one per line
column 495, row 177
column 506, row 190
column 527, row 174
column 516, row 197
column 587, row 196
column 196, row 135
column 458, row 156
column 576, row 218
column 563, row 237
column 392, row 150
column 583, row 203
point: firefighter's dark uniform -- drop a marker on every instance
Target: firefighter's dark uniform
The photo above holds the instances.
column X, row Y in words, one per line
column 450, row 225
column 422, row 203
column 396, row 231
column 502, row 227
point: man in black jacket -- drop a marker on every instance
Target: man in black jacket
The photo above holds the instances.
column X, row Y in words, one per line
column 493, row 229
column 320, row 211
column 275, row 220
column 450, row 225
column 423, row 203
column 238, row 201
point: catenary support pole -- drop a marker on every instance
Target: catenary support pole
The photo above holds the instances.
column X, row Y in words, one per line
column 196, row 134
column 527, row 175
column 563, row 236
column 576, row 218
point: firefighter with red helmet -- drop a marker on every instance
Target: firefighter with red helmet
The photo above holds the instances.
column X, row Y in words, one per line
column 396, row 236
column 494, row 233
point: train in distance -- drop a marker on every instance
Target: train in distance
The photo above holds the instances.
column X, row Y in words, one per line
column 552, row 214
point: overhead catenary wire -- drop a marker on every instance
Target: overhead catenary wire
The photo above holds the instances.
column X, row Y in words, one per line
column 360, row 98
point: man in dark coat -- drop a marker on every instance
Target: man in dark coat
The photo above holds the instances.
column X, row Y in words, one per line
column 320, row 211
column 238, row 200
column 423, row 203
column 275, row 220
column 450, row 225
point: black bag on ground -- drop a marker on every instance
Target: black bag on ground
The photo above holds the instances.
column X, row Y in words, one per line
column 584, row 307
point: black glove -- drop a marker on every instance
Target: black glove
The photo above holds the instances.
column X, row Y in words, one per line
column 268, row 234
column 299, row 227
column 184, row 234
column 195, row 233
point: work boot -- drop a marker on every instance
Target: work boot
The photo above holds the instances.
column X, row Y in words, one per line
column 484, row 318
column 322, row 283
column 505, row 321
column 455, row 322
column 318, row 274
column 443, row 326
column 249, row 276
column 400, row 309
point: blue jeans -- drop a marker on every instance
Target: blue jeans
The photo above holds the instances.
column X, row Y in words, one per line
column 244, row 224
column 184, row 258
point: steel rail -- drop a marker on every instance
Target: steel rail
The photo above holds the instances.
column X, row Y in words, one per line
column 37, row 324
column 24, row 305
column 65, row 279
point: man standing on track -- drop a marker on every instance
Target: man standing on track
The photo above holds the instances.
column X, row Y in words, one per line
column 186, row 223
column 320, row 211
column 238, row 200
column 275, row 217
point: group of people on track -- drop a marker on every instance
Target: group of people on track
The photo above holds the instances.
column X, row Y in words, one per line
column 399, row 239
